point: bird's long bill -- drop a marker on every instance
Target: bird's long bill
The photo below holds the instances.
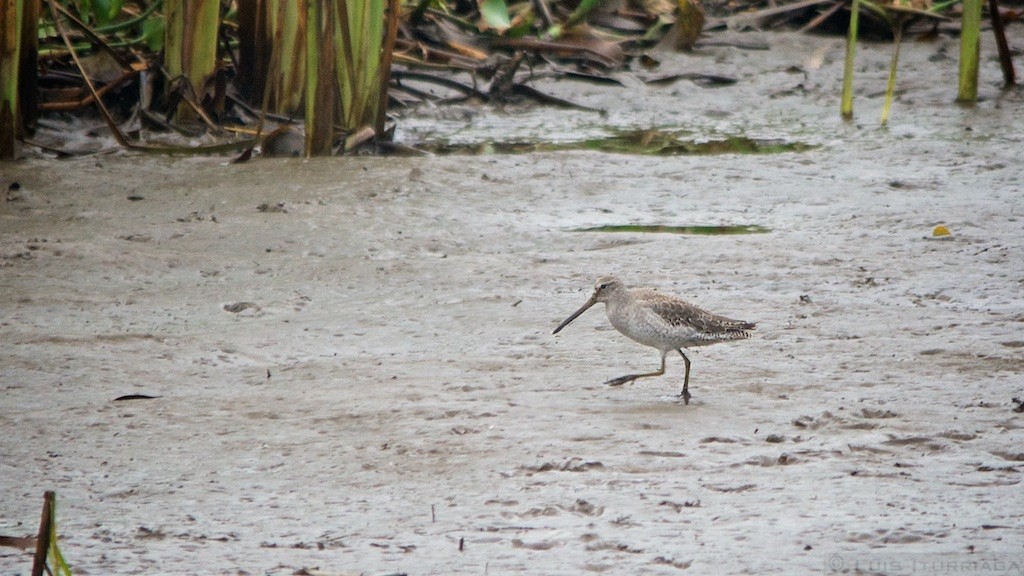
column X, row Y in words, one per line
column 576, row 314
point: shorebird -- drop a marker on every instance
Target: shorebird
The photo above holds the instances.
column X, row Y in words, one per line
column 660, row 321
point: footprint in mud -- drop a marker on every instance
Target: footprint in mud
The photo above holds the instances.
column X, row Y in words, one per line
column 601, row 545
column 783, row 459
column 571, row 465
column 897, row 536
column 585, row 508
column 853, row 422
column 580, row 506
column 540, row 545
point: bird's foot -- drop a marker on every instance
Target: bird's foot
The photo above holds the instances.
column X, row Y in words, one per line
column 620, row 380
column 685, row 395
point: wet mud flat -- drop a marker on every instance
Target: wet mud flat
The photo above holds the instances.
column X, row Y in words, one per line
column 354, row 369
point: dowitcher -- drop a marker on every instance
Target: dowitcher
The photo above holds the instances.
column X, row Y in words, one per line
column 660, row 321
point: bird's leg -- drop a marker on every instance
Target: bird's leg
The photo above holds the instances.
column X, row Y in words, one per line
column 630, row 377
column 686, row 378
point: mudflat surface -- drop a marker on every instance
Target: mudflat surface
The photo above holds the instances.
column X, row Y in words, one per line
column 360, row 377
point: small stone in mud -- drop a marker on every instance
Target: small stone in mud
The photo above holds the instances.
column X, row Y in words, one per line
column 237, row 307
column 775, row 438
column 13, row 192
column 267, row 208
column 878, row 413
column 803, row 421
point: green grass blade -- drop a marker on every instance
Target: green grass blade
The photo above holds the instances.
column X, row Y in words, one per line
column 890, row 87
column 11, row 13
column 55, row 559
column 360, row 35
column 321, row 97
column 287, row 37
column 846, row 106
column 190, row 44
column 970, row 48
column 387, row 50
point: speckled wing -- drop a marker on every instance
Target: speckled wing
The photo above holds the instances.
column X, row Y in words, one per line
column 709, row 327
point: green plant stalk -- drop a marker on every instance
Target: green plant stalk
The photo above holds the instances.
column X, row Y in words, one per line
column 321, row 95
column 28, row 84
column 202, row 54
column 373, row 43
column 55, row 559
column 970, row 49
column 285, row 24
column 312, row 27
column 174, row 38
column 346, row 54
column 387, row 52
column 360, row 34
column 349, row 57
column 890, row 87
column 876, row 9
column 846, row 105
column 11, row 13
column 190, row 44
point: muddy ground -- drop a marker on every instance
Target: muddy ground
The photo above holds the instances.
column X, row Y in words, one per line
column 364, row 380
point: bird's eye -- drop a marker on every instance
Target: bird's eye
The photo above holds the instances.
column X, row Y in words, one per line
column 602, row 286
